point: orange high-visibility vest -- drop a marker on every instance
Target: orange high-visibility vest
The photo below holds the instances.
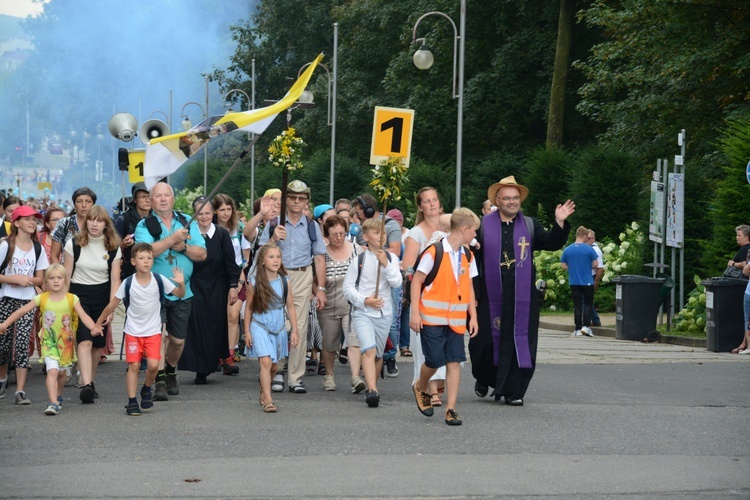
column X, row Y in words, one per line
column 446, row 302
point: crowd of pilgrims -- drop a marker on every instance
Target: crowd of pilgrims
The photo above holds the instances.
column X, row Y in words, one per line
column 95, row 256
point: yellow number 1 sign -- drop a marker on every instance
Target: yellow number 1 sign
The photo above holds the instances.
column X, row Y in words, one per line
column 391, row 134
column 135, row 165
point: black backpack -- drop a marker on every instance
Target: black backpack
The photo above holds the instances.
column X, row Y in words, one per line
column 129, row 283
column 6, row 261
column 435, row 266
column 154, row 227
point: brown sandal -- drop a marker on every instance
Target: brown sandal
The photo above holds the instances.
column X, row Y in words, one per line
column 269, row 407
column 406, row 352
column 436, row 401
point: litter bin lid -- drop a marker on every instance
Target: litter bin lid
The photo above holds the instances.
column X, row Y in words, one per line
column 721, row 281
column 634, row 278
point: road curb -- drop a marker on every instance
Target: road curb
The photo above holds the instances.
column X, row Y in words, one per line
column 606, row 331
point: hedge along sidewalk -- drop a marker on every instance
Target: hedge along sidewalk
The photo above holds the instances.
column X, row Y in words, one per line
column 566, row 323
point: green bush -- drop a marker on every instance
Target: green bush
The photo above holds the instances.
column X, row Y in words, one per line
column 625, row 257
column 692, row 319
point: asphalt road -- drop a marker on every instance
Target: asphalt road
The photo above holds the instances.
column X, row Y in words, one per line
column 602, row 418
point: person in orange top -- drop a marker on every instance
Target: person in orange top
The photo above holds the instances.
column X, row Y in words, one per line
column 440, row 314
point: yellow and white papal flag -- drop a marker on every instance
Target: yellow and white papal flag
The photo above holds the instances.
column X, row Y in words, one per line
column 164, row 155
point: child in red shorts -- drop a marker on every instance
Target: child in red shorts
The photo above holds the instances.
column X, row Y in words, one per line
column 143, row 324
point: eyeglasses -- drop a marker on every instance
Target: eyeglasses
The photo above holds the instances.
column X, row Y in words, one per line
column 336, row 235
column 509, row 198
column 292, row 197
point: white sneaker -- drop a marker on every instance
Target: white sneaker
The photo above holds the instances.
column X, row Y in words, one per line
column 745, row 351
column 587, row 331
column 358, row 385
column 576, row 333
column 328, row 383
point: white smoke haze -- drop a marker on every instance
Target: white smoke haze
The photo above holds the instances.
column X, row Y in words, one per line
column 91, row 57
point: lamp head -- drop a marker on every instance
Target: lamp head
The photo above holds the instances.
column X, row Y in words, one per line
column 423, row 58
column 186, row 124
column 123, row 126
column 306, row 97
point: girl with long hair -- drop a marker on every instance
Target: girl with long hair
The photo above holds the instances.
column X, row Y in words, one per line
column 265, row 330
column 92, row 262
column 227, row 217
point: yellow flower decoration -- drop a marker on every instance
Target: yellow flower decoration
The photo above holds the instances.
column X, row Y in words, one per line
column 388, row 177
column 285, row 150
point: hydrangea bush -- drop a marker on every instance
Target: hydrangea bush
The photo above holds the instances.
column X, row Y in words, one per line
column 692, row 319
column 624, row 257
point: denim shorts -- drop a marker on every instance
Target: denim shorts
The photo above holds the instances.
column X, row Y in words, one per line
column 441, row 345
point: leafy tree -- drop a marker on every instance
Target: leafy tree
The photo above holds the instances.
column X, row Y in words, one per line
column 609, row 188
column 732, row 203
column 666, row 65
column 547, row 175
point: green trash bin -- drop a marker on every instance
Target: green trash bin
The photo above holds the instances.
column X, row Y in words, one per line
column 637, row 302
column 724, row 313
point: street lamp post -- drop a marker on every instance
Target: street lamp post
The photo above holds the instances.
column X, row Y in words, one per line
column 250, row 105
column 308, row 97
column 186, row 125
column 423, row 59
column 99, row 165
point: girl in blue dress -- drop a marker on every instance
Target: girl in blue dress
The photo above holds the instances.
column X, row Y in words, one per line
column 265, row 330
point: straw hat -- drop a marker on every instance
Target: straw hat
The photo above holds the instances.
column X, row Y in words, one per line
column 509, row 181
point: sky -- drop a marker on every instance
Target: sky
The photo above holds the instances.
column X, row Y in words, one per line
column 20, row 8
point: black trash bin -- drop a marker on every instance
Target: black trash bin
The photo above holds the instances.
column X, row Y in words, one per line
column 637, row 302
column 724, row 313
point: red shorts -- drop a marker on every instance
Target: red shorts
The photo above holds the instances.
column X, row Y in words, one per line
column 135, row 347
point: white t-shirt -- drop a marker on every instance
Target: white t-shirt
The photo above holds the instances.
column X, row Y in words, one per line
column 23, row 263
column 426, row 262
column 91, row 267
column 144, row 313
column 239, row 243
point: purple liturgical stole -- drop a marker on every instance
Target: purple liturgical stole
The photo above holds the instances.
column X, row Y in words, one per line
column 522, row 253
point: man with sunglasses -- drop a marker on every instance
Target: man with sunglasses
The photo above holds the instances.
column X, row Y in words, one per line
column 301, row 247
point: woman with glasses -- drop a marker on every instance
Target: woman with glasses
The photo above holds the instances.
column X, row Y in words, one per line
column 334, row 317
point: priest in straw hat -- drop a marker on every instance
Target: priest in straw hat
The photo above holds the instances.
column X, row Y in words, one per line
column 503, row 354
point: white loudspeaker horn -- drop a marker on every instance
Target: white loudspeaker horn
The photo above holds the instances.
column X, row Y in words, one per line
column 153, row 129
column 123, row 126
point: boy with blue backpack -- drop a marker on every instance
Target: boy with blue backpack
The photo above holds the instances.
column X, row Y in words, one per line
column 143, row 294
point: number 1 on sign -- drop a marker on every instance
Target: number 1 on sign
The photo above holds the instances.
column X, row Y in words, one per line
column 397, row 124
column 391, row 134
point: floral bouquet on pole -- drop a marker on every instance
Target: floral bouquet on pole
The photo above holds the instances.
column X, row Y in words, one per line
column 285, row 153
column 387, row 178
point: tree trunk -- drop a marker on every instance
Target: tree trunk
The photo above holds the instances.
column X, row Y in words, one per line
column 560, row 75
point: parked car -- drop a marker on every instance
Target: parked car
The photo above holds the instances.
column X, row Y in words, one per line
column 55, row 148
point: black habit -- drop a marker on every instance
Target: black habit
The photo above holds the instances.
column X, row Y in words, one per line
column 207, row 339
column 507, row 378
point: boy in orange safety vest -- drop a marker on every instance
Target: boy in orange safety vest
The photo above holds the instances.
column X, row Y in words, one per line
column 439, row 316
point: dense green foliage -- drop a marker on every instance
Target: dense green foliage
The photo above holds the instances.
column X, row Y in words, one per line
column 642, row 70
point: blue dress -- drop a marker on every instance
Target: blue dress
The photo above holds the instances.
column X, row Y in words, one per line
column 265, row 343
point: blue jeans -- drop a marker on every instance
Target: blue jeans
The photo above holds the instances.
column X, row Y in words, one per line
column 404, row 340
column 395, row 330
column 747, row 310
